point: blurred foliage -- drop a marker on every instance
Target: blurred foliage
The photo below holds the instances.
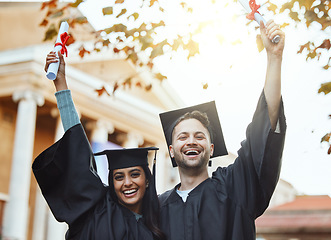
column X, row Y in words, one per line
column 142, row 45
column 314, row 14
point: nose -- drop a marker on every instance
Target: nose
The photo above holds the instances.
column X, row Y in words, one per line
column 191, row 140
column 127, row 181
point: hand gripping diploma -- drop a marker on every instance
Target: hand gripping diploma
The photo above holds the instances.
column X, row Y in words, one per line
column 253, row 14
column 60, row 45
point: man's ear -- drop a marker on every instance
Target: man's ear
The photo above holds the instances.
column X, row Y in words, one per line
column 171, row 150
column 211, row 149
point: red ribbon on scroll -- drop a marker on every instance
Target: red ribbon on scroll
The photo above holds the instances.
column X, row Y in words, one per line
column 254, row 7
column 64, row 38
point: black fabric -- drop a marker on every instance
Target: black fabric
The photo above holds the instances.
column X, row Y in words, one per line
column 75, row 194
column 170, row 119
column 226, row 205
column 126, row 157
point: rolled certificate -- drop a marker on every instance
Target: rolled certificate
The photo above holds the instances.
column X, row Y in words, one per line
column 54, row 67
column 257, row 16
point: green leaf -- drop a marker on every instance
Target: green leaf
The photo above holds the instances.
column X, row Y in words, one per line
column 160, row 77
column 76, row 3
column 326, row 137
column 259, row 43
column 134, row 15
column 116, row 28
column 306, row 3
column 192, row 47
column 151, row 3
column 285, row 6
column 294, row 16
column 325, row 88
column 146, row 42
column 133, row 57
column 56, row 14
column 50, row 33
column 326, row 67
column 310, row 17
column 123, row 11
column 158, row 49
column 272, row 7
column 177, row 43
column 107, row 11
column 311, row 55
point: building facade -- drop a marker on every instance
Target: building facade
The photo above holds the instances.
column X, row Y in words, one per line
column 30, row 121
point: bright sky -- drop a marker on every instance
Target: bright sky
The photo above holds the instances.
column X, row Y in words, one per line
column 235, row 75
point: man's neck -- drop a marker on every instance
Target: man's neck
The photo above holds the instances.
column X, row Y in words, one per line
column 191, row 178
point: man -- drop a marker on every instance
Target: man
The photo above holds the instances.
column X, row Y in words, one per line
column 226, row 205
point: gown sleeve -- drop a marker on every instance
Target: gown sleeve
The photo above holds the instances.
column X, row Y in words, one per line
column 252, row 178
column 68, row 113
column 67, row 176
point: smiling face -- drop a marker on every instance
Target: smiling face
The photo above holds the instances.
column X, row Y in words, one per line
column 130, row 187
column 191, row 146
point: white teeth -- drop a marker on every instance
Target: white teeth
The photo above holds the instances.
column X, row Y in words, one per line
column 191, row 152
column 130, row 191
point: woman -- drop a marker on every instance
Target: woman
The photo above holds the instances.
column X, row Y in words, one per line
column 126, row 209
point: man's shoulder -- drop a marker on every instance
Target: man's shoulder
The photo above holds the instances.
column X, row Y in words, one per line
column 164, row 196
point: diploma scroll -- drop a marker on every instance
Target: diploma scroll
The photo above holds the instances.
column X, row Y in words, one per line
column 252, row 9
column 54, row 67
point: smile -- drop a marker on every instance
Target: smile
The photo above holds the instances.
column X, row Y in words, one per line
column 130, row 192
column 191, row 152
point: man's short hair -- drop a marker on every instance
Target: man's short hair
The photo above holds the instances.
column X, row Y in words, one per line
column 207, row 114
column 201, row 117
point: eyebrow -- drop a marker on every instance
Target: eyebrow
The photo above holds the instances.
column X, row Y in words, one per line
column 133, row 170
column 195, row 133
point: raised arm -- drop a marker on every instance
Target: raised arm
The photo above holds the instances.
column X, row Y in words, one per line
column 272, row 86
column 69, row 116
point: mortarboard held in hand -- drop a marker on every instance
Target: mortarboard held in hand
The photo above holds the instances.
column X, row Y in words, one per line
column 169, row 121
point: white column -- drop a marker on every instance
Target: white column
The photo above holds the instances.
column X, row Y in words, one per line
column 100, row 130
column 133, row 140
column 16, row 211
column 41, row 209
column 55, row 229
column 161, row 168
column 39, row 220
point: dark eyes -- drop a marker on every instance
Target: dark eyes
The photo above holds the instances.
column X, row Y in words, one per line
column 135, row 174
column 184, row 137
column 119, row 177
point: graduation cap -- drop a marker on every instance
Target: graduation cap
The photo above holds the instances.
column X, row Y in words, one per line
column 170, row 119
column 127, row 157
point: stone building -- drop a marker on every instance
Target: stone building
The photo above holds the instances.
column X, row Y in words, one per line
column 304, row 218
column 29, row 119
column 30, row 122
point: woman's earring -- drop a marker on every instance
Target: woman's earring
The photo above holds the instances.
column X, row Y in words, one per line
column 147, row 184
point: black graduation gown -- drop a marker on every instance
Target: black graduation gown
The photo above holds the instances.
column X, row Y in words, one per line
column 75, row 194
column 226, row 205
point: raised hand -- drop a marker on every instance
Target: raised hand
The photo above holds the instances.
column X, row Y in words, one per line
column 268, row 32
column 60, row 81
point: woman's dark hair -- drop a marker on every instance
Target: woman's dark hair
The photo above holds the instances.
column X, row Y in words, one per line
column 150, row 204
